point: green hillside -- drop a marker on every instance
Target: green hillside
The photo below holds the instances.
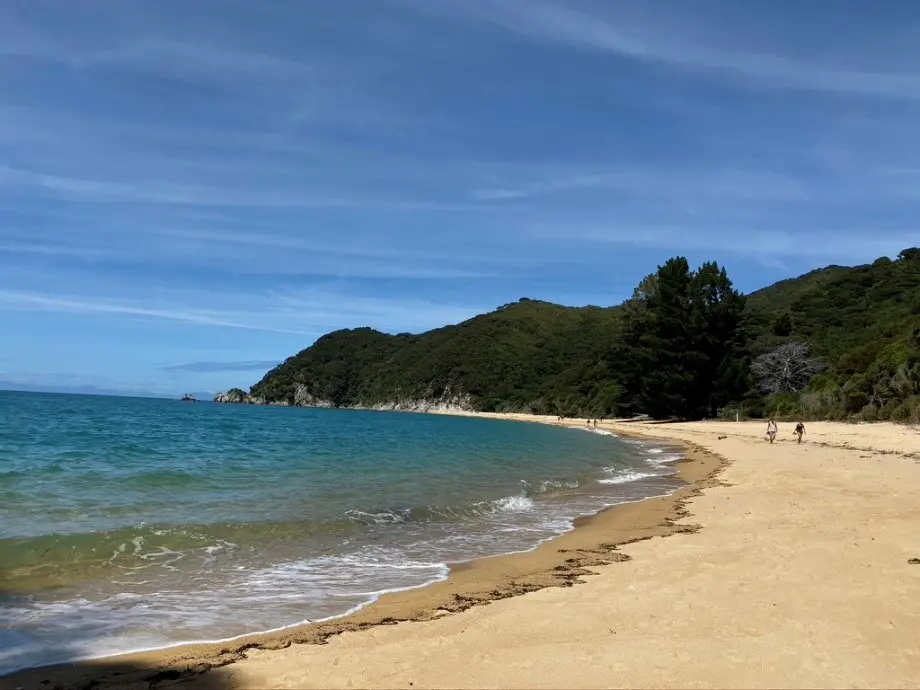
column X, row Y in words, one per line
column 865, row 321
column 507, row 359
column 682, row 346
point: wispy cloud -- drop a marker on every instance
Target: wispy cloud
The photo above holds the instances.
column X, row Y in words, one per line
column 109, row 191
column 767, row 247
column 392, row 255
column 79, row 305
column 211, row 367
column 724, row 184
column 44, row 249
column 649, row 39
column 295, row 312
column 106, row 36
column 170, row 170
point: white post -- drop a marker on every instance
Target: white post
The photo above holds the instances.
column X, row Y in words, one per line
column 737, row 416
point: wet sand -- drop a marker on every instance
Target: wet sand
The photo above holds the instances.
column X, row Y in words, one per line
column 785, row 565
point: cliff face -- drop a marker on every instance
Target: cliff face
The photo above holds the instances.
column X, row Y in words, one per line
column 303, row 398
column 447, row 402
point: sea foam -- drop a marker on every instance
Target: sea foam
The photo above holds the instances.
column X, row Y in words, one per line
column 627, row 476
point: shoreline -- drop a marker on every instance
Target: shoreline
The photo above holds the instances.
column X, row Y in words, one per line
column 560, row 561
column 778, row 586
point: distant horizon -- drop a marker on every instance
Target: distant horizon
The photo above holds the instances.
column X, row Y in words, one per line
column 6, row 387
column 190, row 191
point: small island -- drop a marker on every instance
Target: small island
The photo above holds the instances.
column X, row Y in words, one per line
column 188, row 397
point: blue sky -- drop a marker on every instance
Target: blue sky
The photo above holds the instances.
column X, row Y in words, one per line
column 191, row 190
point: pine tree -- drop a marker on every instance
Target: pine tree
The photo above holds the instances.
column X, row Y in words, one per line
column 669, row 356
column 720, row 376
column 627, row 350
column 682, row 345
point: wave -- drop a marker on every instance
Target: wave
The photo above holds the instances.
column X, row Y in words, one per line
column 333, row 587
column 513, row 504
column 131, row 547
column 436, row 513
column 548, row 486
column 601, row 432
column 626, row 476
column 664, row 458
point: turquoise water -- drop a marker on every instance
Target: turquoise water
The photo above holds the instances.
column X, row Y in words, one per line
column 130, row 523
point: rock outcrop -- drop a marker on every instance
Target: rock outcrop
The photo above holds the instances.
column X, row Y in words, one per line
column 235, row 396
column 448, row 401
column 303, row 398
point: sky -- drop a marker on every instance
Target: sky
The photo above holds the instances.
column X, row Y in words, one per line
column 193, row 190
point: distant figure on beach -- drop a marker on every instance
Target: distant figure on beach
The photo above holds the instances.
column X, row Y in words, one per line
column 595, row 423
column 799, row 430
column 771, row 430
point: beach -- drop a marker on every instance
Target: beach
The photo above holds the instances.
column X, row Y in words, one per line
column 120, row 538
column 782, row 565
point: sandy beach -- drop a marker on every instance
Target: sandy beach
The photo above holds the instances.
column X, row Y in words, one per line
column 783, row 565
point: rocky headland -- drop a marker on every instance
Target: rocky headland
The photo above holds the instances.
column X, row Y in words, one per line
column 447, row 402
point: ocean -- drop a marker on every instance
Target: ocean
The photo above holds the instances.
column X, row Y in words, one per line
column 130, row 524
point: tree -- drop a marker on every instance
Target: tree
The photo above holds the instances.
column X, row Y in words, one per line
column 627, row 350
column 683, row 349
column 720, row 341
column 787, row 369
column 782, row 325
column 668, row 356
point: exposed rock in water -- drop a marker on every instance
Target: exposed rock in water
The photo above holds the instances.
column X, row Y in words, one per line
column 188, row 397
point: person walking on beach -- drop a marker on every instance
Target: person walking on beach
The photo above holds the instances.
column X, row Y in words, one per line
column 771, row 430
column 799, row 430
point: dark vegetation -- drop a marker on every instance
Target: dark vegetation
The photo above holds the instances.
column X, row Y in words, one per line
column 839, row 342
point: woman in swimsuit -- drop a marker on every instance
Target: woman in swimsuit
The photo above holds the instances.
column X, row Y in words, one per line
column 771, row 430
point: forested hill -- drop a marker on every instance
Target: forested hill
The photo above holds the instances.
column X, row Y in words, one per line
column 517, row 356
column 837, row 342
